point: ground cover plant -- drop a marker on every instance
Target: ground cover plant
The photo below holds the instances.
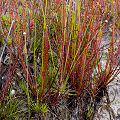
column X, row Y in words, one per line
column 52, row 55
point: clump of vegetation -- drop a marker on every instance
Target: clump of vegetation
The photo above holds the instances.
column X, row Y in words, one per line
column 13, row 109
column 57, row 48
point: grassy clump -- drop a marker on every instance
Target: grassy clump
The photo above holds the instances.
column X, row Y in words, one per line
column 57, row 45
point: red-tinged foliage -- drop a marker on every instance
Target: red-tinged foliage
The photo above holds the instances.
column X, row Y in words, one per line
column 75, row 32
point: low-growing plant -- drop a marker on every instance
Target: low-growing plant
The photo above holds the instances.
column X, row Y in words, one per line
column 13, row 109
column 44, row 109
column 36, row 107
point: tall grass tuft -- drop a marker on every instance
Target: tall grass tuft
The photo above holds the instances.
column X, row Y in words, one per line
column 65, row 38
